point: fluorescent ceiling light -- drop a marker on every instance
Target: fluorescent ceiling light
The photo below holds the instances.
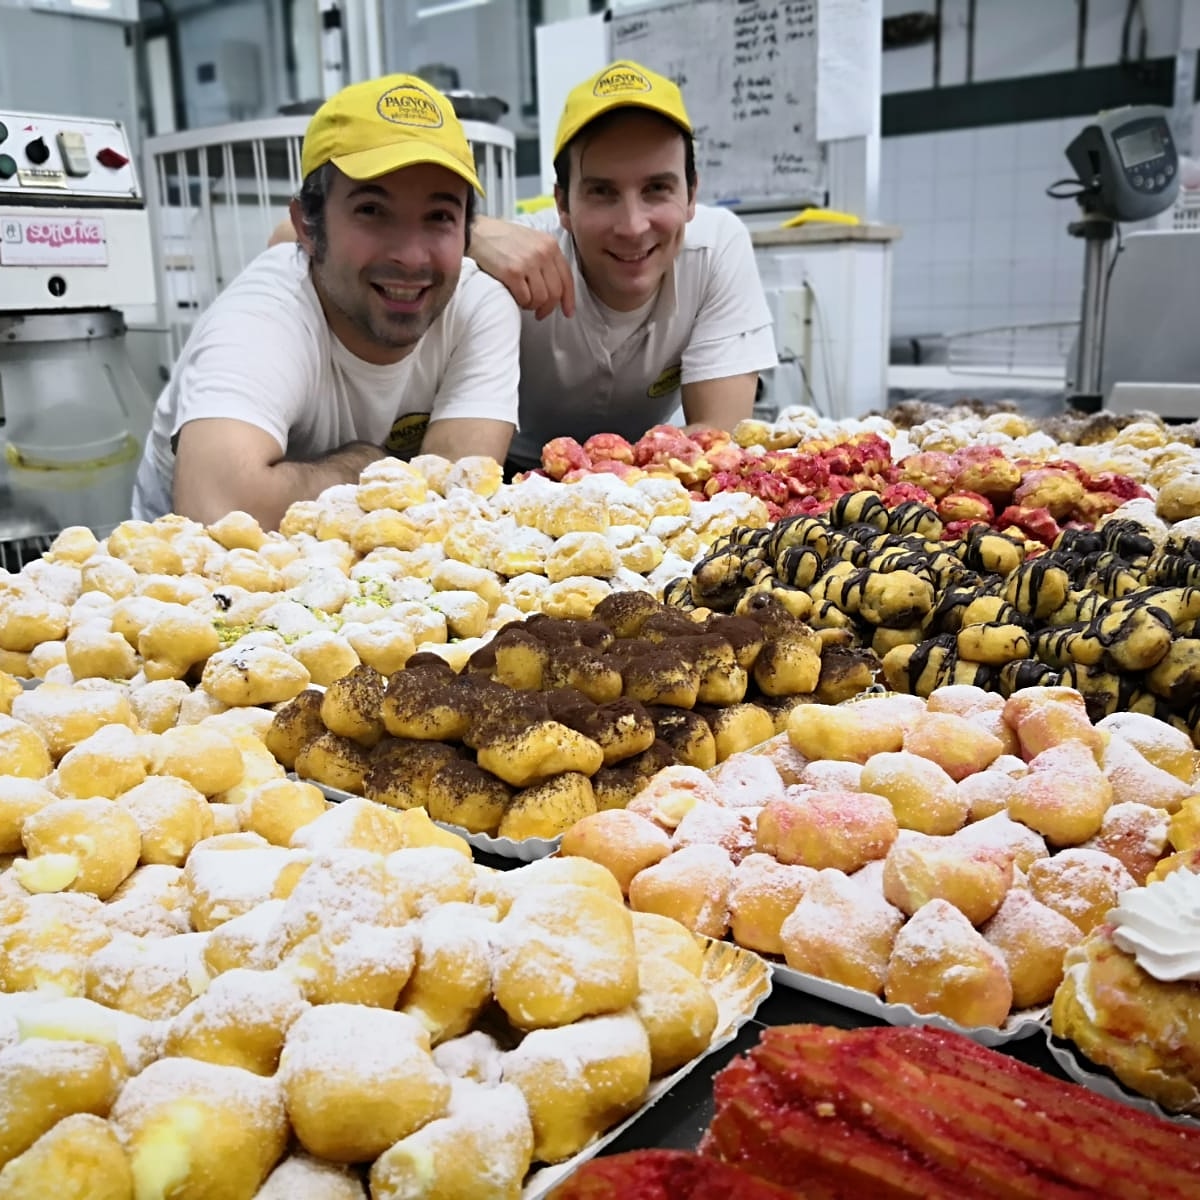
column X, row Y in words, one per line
column 92, row 5
column 448, row 6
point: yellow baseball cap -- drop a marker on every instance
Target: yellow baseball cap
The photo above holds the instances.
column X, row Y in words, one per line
column 620, row 85
column 372, row 128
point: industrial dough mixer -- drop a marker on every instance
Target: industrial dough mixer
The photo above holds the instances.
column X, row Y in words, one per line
column 75, row 251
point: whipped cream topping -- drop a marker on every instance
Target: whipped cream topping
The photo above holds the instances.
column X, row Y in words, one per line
column 1160, row 926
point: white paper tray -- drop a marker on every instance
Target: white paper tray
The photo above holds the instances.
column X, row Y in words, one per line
column 740, row 981
column 1019, row 1025
column 1078, row 1068
column 525, row 850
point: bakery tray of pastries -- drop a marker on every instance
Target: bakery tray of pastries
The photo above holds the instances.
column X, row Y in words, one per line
column 557, row 718
column 902, row 856
column 1016, row 1025
column 319, row 993
column 1104, row 1083
column 739, row 982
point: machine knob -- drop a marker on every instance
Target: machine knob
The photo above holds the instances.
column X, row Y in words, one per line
column 8, row 166
column 37, row 151
column 113, row 159
column 3, row 131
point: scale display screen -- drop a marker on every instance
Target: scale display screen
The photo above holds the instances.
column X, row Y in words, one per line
column 1142, row 146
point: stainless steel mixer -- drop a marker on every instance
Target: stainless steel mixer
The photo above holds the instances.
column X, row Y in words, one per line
column 74, row 251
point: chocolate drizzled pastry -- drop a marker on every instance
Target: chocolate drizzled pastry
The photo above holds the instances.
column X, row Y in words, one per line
column 678, row 592
column 798, row 565
column 797, row 600
column 1037, row 588
column 844, row 673
column 717, row 580
column 1024, row 673
column 914, row 517
column 810, row 532
column 865, row 507
column 1106, row 692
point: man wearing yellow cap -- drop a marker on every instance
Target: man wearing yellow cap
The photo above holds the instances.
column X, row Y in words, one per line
column 373, row 338
column 636, row 298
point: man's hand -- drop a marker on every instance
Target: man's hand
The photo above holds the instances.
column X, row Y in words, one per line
column 528, row 262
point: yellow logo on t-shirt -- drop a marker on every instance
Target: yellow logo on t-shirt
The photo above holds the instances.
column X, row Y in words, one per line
column 407, row 434
column 666, row 383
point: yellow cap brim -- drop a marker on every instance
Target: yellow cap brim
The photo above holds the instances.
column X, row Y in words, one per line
column 383, row 160
column 568, row 132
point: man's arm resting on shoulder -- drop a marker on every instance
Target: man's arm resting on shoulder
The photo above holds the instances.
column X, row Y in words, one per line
column 719, row 403
column 223, row 464
column 529, row 262
column 459, row 437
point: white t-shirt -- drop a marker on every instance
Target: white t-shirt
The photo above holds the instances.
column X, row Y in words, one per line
column 601, row 372
column 263, row 353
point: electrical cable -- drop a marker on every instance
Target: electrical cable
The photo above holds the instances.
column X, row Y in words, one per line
column 808, row 388
column 1134, row 8
column 823, row 331
column 787, row 355
column 1113, row 262
column 1055, row 192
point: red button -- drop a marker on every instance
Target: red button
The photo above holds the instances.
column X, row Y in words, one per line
column 111, row 158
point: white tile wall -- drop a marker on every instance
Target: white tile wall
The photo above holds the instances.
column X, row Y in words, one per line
column 983, row 244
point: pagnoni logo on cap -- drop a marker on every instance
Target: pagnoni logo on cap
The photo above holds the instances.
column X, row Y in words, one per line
column 409, row 105
column 619, row 79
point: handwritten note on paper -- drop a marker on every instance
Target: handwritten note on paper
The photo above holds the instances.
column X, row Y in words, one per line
column 53, row 241
column 748, row 70
column 847, row 95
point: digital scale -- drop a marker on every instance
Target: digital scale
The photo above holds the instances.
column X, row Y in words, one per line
column 1127, row 166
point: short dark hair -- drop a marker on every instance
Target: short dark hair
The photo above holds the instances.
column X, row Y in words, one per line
column 562, row 161
column 314, row 192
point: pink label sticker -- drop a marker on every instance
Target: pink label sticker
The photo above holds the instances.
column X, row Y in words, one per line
column 44, row 241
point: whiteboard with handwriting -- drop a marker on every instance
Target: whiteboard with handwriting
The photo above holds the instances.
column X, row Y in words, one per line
column 748, row 70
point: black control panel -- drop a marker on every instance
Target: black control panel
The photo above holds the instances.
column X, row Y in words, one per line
column 1127, row 159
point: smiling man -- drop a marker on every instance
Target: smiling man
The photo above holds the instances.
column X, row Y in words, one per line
column 637, row 299
column 373, row 337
